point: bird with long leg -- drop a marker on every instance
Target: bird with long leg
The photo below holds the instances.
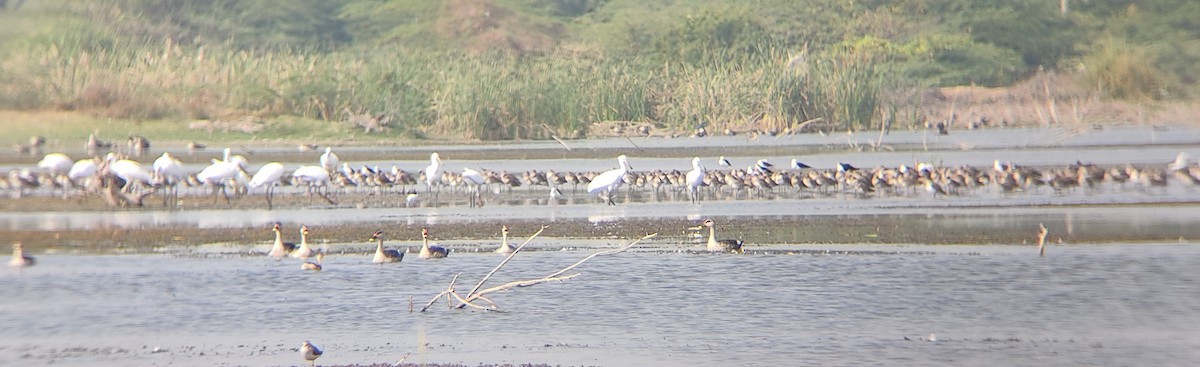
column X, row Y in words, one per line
column 222, row 174
column 433, row 174
column 267, row 177
column 474, row 180
column 168, row 171
column 610, row 180
column 315, row 179
column 695, row 179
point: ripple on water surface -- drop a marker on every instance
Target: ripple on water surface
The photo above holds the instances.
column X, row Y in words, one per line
column 1100, row 304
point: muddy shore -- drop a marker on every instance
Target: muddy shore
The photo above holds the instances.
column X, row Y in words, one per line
column 1115, row 213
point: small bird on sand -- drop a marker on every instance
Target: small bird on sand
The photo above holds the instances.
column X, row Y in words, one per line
column 310, row 352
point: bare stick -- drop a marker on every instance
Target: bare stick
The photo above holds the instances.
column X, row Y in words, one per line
column 448, row 290
column 521, row 283
column 553, row 136
column 605, row 252
column 505, row 261
column 556, row 276
column 327, row 198
column 1042, row 239
column 806, row 123
column 401, row 361
column 635, row 146
column 485, row 299
column 463, row 302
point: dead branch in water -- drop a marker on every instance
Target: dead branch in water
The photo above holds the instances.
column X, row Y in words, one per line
column 505, row 261
column 1042, row 239
column 476, row 294
column 448, row 290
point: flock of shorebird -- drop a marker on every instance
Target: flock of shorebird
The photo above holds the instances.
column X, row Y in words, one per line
column 167, row 174
column 228, row 174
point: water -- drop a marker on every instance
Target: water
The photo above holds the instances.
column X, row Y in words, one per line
column 1118, row 304
column 1098, row 301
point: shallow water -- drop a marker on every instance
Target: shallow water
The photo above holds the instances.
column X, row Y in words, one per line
column 1106, row 298
column 858, row 305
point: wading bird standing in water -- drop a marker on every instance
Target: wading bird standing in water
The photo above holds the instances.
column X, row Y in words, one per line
column 610, row 180
column 269, row 176
column 695, row 179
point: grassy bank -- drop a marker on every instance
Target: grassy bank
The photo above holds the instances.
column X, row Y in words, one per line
column 504, row 70
column 490, row 97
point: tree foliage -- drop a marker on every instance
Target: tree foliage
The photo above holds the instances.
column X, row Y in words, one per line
column 558, row 65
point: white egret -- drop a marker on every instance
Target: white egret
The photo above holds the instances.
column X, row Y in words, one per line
column 267, row 176
column 220, row 174
column 313, row 176
column 695, row 179
column 433, row 172
column 168, row 171
column 475, row 180
column 130, row 172
column 55, row 164
column 715, row 245
column 83, row 169
column 428, row 251
column 384, row 255
column 329, row 160
column 610, row 180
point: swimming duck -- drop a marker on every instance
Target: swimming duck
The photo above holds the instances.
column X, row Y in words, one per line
column 430, row 252
column 382, row 255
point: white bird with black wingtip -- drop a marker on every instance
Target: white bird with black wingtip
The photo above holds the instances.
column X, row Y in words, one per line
column 310, row 352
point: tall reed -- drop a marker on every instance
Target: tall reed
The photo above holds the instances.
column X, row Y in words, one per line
column 491, row 96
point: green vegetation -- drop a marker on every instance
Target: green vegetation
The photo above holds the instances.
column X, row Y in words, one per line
column 516, row 69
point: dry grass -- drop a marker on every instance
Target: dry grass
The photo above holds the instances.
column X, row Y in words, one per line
column 1046, row 100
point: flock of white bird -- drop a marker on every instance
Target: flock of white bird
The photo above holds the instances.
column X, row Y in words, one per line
column 229, row 174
